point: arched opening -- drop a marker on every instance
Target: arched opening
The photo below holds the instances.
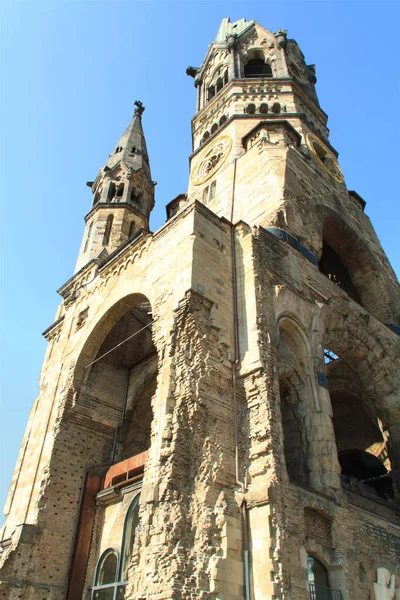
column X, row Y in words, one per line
column 333, row 268
column 360, row 441
column 220, row 84
column 318, row 580
column 205, row 137
column 111, row 191
column 205, row 194
column 106, row 571
column 324, row 582
column 223, row 120
column 214, row 128
column 361, row 448
column 111, row 572
column 115, row 384
column 347, row 260
column 256, row 66
column 294, row 392
column 263, row 108
column 116, row 376
column 107, row 230
column 120, row 190
column 276, row 108
column 251, row 109
column 294, row 437
column 226, row 77
column 211, row 92
column 213, row 188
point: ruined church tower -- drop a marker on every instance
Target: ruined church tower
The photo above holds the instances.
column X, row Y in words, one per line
column 219, row 406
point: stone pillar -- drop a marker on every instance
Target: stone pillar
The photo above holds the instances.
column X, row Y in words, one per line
column 191, row 523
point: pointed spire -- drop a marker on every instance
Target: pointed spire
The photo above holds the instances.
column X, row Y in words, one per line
column 131, row 147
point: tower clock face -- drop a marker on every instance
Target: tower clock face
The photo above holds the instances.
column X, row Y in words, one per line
column 210, row 160
column 324, row 157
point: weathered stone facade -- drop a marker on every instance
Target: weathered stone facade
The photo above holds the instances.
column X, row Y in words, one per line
column 219, row 405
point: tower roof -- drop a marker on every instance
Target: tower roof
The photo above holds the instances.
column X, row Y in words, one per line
column 228, row 27
column 131, row 147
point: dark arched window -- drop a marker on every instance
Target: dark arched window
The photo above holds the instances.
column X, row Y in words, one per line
column 317, row 579
column 263, row 108
column 223, row 120
column 257, row 67
column 276, row 108
column 214, row 128
column 120, row 191
column 107, row 230
column 205, row 137
column 226, row 77
column 211, row 92
column 219, row 84
column 251, row 109
column 331, row 266
column 111, row 192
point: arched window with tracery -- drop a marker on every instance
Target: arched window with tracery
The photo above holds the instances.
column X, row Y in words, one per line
column 112, row 570
column 106, row 576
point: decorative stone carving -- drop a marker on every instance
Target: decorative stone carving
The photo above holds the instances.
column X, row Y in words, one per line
column 384, row 587
column 281, row 37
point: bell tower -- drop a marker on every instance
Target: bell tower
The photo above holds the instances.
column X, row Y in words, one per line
column 261, row 154
column 123, row 195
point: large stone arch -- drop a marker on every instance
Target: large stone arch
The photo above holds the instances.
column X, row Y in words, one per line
column 372, row 352
column 301, row 417
column 112, row 309
column 366, row 269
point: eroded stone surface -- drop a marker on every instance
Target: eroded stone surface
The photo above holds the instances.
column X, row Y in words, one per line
column 203, row 345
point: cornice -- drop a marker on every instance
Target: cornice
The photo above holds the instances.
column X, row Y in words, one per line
column 114, row 206
column 54, row 328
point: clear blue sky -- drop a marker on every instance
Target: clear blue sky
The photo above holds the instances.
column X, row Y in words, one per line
column 70, row 74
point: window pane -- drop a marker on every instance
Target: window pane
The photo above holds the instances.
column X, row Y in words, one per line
column 107, row 569
column 106, row 594
column 121, row 592
column 131, row 522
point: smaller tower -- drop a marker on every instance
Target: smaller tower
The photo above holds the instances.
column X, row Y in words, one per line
column 123, row 195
